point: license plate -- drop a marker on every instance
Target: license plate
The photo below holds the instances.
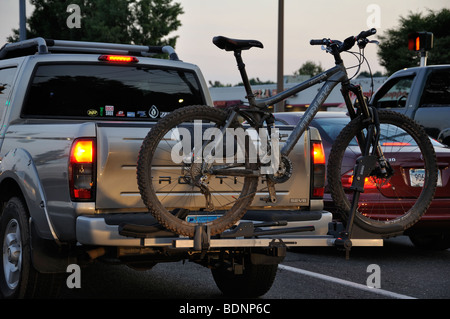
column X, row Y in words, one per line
column 201, row 219
column 417, row 177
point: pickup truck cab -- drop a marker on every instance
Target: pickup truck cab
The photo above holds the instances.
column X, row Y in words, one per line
column 73, row 116
column 422, row 93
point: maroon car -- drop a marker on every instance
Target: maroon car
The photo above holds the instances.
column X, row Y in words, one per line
column 387, row 199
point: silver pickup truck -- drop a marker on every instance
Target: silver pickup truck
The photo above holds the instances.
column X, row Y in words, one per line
column 73, row 116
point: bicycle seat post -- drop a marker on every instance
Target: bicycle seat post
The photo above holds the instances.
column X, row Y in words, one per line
column 241, row 66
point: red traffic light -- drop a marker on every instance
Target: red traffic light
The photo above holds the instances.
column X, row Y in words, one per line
column 418, row 41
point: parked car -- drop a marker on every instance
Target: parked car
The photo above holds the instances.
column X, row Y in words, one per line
column 433, row 230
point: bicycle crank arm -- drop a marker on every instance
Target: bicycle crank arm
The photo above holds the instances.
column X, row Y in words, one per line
column 272, row 193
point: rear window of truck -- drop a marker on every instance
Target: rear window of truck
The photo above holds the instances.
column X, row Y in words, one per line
column 109, row 91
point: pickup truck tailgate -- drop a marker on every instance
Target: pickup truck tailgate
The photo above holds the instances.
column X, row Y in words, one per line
column 118, row 146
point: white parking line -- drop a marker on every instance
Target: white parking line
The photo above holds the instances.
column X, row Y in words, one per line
column 345, row 282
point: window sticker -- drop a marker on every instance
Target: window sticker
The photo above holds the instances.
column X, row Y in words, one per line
column 141, row 113
column 109, row 109
column 153, row 112
column 120, row 113
column 92, row 112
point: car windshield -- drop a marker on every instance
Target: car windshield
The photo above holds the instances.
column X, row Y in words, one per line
column 109, row 91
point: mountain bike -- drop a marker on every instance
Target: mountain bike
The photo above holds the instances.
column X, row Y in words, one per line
column 199, row 164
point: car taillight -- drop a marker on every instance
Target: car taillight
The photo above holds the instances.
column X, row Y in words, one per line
column 369, row 182
column 318, row 169
column 118, row 58
column 396, row 144
column 82, row 169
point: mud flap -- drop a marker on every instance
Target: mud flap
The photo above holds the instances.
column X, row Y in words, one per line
column 46, row 255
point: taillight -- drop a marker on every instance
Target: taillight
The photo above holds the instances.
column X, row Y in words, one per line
column 118, row 58
column 318, row 169
column 396, row 144
column 369, row 182
column 82, row 169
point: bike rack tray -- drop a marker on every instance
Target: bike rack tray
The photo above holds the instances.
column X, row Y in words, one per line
column 265, row 234
column 300, row 241
column 94, row 230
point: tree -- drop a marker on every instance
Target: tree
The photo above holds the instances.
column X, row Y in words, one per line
column 152, row 18
column 218, row 84
column 366, row 74
column 255, row 81
column 144, row 22
column 309, row 68
column 393, row 50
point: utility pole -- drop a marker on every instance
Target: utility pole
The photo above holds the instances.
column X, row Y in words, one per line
column 22, row 21
column 279, row 107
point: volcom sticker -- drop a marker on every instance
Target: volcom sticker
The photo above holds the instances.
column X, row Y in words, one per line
column 153, row 112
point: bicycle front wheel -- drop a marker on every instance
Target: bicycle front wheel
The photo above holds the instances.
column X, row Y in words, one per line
column 189, row 174
column 392, row 203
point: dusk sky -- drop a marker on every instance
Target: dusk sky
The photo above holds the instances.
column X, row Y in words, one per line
column 258, row 19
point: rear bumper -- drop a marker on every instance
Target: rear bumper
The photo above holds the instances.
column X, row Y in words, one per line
column 103, row 230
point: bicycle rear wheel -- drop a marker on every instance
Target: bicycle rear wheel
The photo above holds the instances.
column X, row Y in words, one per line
column 176, row 177
column 389, row 205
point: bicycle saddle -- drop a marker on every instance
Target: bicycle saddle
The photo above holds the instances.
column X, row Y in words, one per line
column 228, row 44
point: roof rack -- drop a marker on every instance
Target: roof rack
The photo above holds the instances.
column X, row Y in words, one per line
column 45, row 46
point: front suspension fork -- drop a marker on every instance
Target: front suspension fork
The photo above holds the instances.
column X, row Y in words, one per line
column 366, row 163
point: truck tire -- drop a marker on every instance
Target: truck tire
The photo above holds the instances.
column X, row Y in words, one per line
column 255, row 280
column 18, row 277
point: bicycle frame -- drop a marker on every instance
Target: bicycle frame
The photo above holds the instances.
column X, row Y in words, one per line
column 332, row 78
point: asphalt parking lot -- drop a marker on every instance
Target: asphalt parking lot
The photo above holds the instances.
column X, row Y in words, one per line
column 396, row 271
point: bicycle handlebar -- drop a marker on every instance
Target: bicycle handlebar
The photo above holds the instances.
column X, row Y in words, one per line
column 348, row 43
column 365, row 34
